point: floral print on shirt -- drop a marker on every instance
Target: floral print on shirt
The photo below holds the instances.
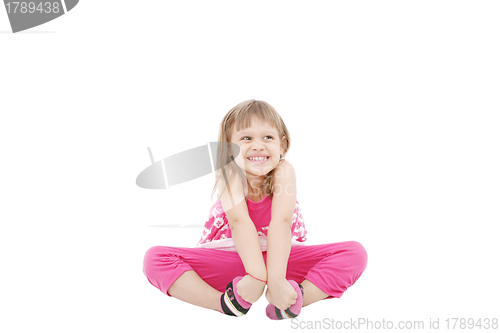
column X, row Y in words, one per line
column 217, row 226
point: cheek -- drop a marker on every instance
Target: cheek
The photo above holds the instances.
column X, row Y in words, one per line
column 241, row 160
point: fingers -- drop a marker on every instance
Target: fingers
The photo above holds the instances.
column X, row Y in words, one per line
column 285, row 306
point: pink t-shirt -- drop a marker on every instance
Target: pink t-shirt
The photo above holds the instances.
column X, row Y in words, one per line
column 217, row 226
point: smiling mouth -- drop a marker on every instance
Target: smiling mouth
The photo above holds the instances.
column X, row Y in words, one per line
column 258, row 160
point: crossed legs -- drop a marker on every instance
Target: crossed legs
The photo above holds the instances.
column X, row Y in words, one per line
column 199, row 276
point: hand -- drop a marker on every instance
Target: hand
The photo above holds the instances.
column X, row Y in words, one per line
column 250, row 289
column 281, row 294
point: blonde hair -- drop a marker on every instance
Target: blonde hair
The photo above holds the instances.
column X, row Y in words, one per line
column 241, row 116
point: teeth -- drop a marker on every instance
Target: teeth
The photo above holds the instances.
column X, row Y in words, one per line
column 257, row 158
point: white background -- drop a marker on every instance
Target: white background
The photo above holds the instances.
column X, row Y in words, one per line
column 392, row 108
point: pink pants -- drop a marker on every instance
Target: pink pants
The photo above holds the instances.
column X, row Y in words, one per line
column 331, row 267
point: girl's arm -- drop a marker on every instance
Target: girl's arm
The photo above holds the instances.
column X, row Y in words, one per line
column 246, row 241
column 280, row 292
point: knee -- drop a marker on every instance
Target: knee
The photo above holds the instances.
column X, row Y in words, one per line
column 150, row 260
column 359, row 256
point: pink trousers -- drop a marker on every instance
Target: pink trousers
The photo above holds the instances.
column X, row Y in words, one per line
column 331, row 267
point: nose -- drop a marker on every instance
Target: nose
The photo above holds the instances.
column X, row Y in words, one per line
column 258, row 147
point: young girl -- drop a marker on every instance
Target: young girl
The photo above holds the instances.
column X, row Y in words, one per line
column 255, row 233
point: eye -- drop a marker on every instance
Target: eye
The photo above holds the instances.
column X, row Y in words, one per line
column 267, row 136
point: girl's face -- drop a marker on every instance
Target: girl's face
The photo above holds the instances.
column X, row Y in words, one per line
column 260, row 148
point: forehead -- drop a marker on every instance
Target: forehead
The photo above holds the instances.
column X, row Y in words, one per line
column 256, row 124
